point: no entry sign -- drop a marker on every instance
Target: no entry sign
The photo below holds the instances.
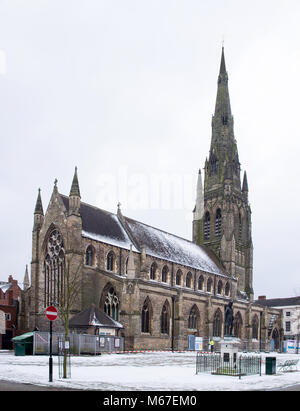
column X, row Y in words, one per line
column 51, row 313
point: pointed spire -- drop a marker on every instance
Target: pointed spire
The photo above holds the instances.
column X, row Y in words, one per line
column 199, row 208
column 26, row 283
column 39, row 206
column 223, row 65
column 222, row 108
column 245, row 183
column 75, row 185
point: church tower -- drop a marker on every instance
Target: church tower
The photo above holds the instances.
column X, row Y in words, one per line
column 222, row 215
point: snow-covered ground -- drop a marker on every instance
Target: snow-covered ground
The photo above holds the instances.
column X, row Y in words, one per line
column 139, row 372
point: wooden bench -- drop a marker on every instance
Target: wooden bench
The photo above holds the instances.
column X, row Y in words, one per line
column 288, row 365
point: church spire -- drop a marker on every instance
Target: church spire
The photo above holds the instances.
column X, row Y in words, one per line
column 223, row 109
column 75, row 185
column 26, row 283
column 39, row 206
column 74, row 196
column 245, row 183
column 199, row 207
column 223, row 162
column 38, row 213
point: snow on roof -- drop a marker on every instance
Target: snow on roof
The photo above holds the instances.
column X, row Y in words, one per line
column 170, row 247
column 106, row 227
column 101, row 225
column 5, row 286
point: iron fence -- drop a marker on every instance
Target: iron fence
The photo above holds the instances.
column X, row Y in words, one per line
column 79, row 343
column 234, row 366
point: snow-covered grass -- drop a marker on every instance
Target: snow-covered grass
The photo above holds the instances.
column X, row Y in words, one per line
column 139, row 372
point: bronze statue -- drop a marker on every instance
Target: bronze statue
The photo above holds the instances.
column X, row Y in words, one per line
column 229, row 319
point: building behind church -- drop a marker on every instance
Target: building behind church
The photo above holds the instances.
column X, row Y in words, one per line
column 160, row 287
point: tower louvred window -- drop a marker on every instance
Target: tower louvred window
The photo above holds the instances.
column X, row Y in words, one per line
column 207, row 226
column 240, row 227
column 218, row 225
column 213, row 164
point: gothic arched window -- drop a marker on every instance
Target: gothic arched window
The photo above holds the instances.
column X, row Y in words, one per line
column 206, row 226
column 164, row 274
column 188, row 280
column 178, row 277
column 217, row 323
column 255, row 327
column 227, row 289
column 146, row 317
column 111, row 261
column 90, row 256
column 209, row 285
column 153, row 270
column 213, row 163
column 237, row 325
column 220, row 287
column 111, row 304
column 200, row 282
column 218, row 223
column 164, row 320
column 54, row 268
column 193, row 318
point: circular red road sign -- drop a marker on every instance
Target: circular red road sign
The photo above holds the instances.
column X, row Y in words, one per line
column 51, row 313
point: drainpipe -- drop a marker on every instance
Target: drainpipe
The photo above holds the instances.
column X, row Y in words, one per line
column 173, row 321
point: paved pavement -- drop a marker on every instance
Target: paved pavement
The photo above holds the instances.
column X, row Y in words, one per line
column 15, row 386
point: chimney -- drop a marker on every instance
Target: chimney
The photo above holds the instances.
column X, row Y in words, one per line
column 262, row 297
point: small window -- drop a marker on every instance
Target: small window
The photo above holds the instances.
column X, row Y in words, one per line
column 89, row 256
column 164, row 323
column 146, row 317
column 153, row 269
column 227, row 289
column 178, row 277
column 288, row 313
column 209, row 285
column 193, row 319
column 8, row 316
column 200, row 283
column 220, row 287
column 225, row 119
column 188, row 281
column 110, row 261
column 164, row 274
column 288, row 326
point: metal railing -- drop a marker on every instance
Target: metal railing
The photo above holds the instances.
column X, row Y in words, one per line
column 233, row 366
column 79, row 343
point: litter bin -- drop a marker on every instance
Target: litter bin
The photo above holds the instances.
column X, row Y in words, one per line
column 20, row 348
column 270, row 365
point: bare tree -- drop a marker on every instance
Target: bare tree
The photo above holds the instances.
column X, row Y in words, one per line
column 69, row 297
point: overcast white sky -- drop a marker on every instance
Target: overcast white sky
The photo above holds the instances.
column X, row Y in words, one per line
column 125, row 91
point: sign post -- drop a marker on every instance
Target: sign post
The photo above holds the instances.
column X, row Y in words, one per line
column 51, row 314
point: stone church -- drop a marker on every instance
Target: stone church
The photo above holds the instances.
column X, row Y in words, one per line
column 160, row 287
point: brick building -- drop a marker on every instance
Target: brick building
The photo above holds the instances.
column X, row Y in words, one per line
column 10, row 293
column 160, row 287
